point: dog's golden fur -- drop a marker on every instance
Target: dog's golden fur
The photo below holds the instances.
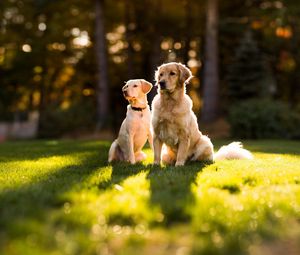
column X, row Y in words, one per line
column 174, row 123
column 176, row 134
column 135, row 129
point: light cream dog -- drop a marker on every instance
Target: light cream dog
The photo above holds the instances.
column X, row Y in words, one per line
column 135, row 129
column 176, row 134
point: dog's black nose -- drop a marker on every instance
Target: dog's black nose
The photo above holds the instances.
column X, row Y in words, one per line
column 162, row 84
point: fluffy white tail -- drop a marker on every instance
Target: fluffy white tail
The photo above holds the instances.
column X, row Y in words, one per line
column 233, row 150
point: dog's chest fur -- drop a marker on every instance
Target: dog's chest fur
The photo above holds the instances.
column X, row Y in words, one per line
column 166, row 132
column 139, row 126
column 170, row 122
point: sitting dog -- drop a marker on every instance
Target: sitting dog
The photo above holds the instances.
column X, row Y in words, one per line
column 176, row 137
column 135, row 129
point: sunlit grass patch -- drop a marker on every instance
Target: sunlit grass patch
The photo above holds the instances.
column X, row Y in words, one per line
column 127, row 202
column 239, row 203
column 17, row 173
column 61, row 197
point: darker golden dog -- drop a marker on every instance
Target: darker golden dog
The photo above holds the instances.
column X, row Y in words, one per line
column 176, row 134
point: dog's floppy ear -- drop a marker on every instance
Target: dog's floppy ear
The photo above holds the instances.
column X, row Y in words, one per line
column 124, row 85
column 146, row 86
column 156, row 76
column 185, row 73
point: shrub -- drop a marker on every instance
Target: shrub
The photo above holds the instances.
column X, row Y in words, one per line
column 261, row 118
column 251, row 63
column 56, row 122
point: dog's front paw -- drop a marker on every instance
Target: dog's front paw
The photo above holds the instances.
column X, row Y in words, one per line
column 179, row 163
column 131, row 161
column 156, row 163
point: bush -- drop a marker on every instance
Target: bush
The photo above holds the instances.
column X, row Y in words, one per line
column 55, row 121
column 251, row 63
column 260, row 118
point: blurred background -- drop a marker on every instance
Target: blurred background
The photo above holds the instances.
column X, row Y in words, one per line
column 63, row 64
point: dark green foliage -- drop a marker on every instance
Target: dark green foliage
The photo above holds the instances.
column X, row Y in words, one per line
column 263, row 119
column 57, row 122
column 247, row 75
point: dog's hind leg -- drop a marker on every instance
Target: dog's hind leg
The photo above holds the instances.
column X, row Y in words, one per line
column 204, row 151
column 112, row 151
column 127, row 149
column 115, row 153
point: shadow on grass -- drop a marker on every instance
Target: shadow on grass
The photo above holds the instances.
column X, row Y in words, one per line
column 36, row 149
column 122, row 170
column 171, row 190
column 34, row 201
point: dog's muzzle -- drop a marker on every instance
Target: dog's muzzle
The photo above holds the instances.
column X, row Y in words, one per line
column 162, row 85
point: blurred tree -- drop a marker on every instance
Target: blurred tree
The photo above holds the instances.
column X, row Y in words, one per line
column 211, row 66
column 102, row 91
column 129, row 37
column 247, row 75
column 276, row 27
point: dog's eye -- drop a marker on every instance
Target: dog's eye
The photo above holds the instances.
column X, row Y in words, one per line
column 161, row 74
column 135, row 85
column 172, row 73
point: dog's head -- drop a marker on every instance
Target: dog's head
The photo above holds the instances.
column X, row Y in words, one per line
column 136, row 89
column 171, row 76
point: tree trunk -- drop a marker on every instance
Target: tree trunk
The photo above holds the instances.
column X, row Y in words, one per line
column 155, row 61
column 129, row 36
column 187, row 30
column 211, row 70
column 102, row 90
column 155, row 52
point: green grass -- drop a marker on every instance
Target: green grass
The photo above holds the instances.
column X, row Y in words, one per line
column 61, row 197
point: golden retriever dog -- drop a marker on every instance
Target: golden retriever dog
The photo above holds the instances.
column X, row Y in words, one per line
column 176, row 136
column 135, row 129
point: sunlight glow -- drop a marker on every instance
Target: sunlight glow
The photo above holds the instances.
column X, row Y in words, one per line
column 38, row 69
column 75, row 31
column 83, row 40
column 88, row 92
column 268, row 4
column 284, row 32
column 117, row 43
column 56, row 46
column 177, row 46
column 26, row 48
column 166, row 44
column 65, row 105
column 194, row 63
column 42, row 26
